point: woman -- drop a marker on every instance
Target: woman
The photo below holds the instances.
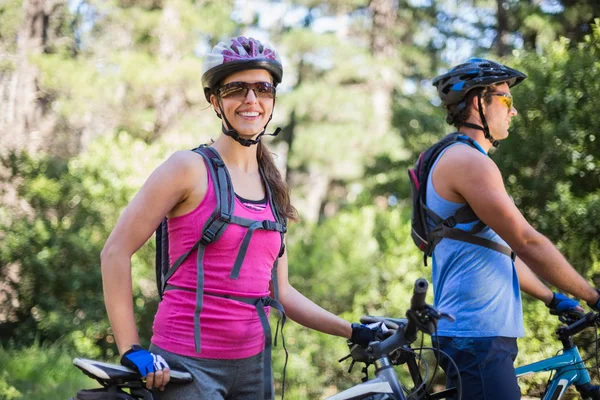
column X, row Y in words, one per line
column 219, row 340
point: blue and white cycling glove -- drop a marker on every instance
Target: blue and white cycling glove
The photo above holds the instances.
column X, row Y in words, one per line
column 562, row 304
column 142, row 361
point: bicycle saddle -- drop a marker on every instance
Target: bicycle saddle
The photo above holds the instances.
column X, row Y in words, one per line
column 106, row 372
column 391, row 323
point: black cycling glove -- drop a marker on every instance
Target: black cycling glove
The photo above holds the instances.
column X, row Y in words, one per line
column 362, row 334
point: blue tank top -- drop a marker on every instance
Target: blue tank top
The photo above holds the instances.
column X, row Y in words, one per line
column 477, row 285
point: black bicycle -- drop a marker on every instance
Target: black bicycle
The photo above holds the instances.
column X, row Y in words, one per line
column 118, row 382
column 395, row 350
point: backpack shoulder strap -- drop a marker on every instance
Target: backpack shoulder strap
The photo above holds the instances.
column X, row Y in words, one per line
column 216, row 223
column 445, row 228
column 225, row 195
column 428, row 158
column 162, row 256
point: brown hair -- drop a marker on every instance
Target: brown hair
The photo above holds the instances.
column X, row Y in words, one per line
column 463, row 115
column 279, row 188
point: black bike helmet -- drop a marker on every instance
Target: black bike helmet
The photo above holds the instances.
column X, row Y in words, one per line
column 239, row 54
column 454, row 85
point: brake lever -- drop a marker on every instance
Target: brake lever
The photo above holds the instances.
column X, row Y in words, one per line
column 447, row 316
column 427, row 320
column 568, row 317
column 344, row 358
column 365, row 371
column 355, row 356
column 351, row 366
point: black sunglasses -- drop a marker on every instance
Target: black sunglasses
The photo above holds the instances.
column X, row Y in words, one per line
column 239, row 90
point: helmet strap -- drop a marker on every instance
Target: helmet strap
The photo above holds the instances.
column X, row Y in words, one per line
column 484, row 128
column 228, row 129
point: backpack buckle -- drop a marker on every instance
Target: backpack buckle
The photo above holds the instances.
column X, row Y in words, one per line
column 225, row 218
column 450, row 222
column 269, row 225
column 207, row 237
column 218, row 162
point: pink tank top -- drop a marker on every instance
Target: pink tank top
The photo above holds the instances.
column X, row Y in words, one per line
column 229, row 329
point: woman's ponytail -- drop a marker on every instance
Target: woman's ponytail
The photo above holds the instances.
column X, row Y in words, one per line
column 279, row 188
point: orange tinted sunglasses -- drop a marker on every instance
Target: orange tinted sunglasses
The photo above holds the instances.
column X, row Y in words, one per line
column 504, row 98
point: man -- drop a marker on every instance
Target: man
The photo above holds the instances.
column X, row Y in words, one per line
column 480, row 284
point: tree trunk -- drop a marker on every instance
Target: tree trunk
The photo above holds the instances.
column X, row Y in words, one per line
column 28, row 124
column 383, row 48
column 169, row 102
column 501, row 34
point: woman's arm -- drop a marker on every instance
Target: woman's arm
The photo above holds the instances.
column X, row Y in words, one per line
column 167, row 188
column 304, row 311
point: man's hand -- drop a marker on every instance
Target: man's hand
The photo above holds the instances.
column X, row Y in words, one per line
column 563, row 305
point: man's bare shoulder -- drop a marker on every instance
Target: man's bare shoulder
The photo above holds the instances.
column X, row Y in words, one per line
column 466, row 160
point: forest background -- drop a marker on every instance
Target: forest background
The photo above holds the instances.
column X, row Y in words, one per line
column 95, row 94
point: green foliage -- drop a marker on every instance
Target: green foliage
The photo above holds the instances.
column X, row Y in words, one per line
column 550, row 164
column 540, row 27
column 121, row 70
column 36, row 372
column 11, row 17
column 360, row 262
column 49, row 260
column 551, row 161
column 56, row 287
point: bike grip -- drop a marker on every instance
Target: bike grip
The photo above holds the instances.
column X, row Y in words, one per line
column 417, row 301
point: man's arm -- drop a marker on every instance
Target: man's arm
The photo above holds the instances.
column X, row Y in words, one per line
column 476, row 178
column 531, row 284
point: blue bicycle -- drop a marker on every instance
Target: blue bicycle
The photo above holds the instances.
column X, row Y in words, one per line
column 568, row 367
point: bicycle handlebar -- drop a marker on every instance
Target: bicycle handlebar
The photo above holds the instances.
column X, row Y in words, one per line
column 588, row 320
column 417, row 303
column 420, row 316
column 396, row 350
column 420, row 290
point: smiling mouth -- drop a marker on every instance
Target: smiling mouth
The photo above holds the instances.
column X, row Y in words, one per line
column 249, row 114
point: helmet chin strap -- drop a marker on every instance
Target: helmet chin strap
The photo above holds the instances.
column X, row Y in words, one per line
column 484, row 128
column 232, row 133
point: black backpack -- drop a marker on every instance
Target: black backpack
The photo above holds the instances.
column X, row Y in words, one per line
column 428, row 228
column 213, row 229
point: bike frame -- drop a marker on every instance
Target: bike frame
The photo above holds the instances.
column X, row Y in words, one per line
column 385, row 383
column 569, row 370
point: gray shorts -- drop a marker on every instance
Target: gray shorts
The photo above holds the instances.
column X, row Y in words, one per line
column 214, row 379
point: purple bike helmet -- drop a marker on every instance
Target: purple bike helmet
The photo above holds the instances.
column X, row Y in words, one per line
column 238, row 54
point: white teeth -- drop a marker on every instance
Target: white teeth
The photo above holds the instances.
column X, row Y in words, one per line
column 249, row 114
